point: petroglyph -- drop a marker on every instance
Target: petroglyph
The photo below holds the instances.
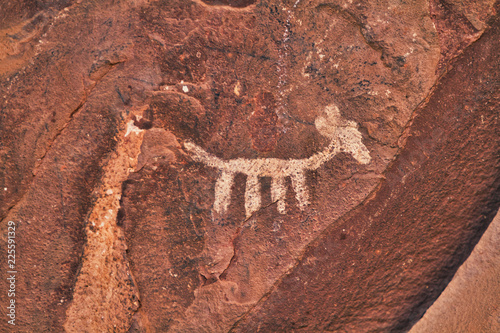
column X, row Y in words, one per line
column 344, row 137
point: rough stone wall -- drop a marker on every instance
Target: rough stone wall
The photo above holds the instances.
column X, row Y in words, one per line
column 470, row 301
column 214, row 166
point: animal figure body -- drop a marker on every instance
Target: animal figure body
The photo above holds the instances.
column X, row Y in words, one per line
column 344, row 136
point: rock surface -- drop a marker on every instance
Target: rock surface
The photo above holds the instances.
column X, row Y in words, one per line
column 470, row 302
column 216, row 166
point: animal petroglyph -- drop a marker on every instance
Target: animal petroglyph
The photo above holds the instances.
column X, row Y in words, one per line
column 344, row 137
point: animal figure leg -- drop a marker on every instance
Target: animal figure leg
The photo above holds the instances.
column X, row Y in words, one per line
column 252, row 195
column 278, row 193
column 299, row 186
column 223, row 191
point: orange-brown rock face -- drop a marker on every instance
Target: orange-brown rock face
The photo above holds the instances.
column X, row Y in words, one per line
column 215, row 166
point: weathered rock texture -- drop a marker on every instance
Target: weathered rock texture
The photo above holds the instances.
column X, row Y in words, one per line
column 470, row 301
column 214, row 166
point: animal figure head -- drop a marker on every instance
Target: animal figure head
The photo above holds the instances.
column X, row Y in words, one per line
column 342, row 132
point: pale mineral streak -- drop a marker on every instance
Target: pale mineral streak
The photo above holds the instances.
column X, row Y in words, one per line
column 103, row 282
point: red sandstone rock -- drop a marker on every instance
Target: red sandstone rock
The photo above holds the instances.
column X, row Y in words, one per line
column 392, row 261
column 470, row 301
column 277, row 166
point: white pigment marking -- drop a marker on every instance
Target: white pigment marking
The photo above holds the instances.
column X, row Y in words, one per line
column 344, row 136
column 223, row 190
column 252, row 195
column 278, row 192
